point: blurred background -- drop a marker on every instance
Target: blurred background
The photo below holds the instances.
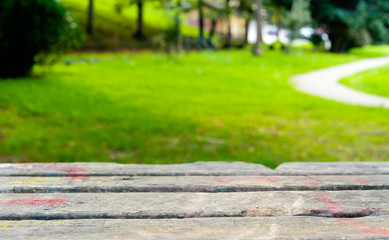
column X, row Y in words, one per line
column 177, row 81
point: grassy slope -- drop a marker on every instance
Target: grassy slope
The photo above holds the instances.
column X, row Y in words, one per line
column 114, row 30
column 146, row 108
column 374, row 81
column 371, row 51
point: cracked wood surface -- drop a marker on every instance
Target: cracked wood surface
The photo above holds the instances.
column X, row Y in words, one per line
column 191, row 205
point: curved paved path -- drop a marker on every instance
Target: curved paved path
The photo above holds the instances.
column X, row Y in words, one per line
column 325, row 83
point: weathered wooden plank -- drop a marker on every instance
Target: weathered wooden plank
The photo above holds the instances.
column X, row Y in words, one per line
column 193, row 169
column 190, row 205
column 201, row 229
column 114, row 169
column 333, row 168
column 191, row 183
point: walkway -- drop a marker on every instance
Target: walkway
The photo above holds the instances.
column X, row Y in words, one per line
column 325, row 83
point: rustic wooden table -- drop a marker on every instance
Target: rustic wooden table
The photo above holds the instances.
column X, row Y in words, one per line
column 194, row 201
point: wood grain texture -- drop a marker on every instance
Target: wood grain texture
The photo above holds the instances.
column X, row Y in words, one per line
column 333, row 168
column 193, row 169
column 191, row 183
column 200, row 229
column 194, row 201
column 114, row 169
column 343, row 204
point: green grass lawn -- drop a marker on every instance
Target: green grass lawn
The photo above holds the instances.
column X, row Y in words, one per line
column 208, row 106
column 371, row 51
column 374, row 81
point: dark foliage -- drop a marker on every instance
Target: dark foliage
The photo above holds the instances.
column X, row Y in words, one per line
column 279, row 3
column 29, row 28
column 352, row 23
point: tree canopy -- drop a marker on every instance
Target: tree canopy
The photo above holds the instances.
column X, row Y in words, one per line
column 29, row 28
column 352, row 22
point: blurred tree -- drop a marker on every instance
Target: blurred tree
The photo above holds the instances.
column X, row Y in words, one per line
column 173, row 35
column 31, row 28
column 140, row 32
column 200, row 7
column 257, row 50
column 228, row 10
column 279, row 7
column 352, row 22
column 298, row 17
column 177, row 25
column 378, row 20
column 215, row 12
column 246, row 10
column 120, row 4
column 338, row 17
column 214, row 16
column 90, row 18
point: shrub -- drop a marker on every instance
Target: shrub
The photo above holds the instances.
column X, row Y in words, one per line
column 29, row 28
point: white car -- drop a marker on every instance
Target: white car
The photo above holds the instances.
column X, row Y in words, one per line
column 269, row 35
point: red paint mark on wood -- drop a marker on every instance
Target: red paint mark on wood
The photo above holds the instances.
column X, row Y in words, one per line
column 335, row 208
column 35, row 202
column 71, row 171
column 221, row 180
column 362, row 180
column 228, row 179
column 309, row 181
column 268, row 179
column 363, row 228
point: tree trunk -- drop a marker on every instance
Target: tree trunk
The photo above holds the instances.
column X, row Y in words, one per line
column 178, row 27
column 340, row 39
column 257, row 51
column 213, row 29
column 89, row 25
column 278, row 23
column 201, row 19
column 140, row 30
column 229, row 33
column 246, row 31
